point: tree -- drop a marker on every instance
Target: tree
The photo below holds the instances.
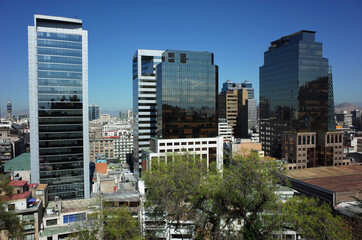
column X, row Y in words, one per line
column 184, row 188
column 108, row 223
column 9, row 222
column 314, row 220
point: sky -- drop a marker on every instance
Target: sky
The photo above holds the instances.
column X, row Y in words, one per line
column 237, row 32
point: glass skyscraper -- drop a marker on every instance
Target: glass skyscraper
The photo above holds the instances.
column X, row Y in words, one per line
column 187, row 87
column 94, row 112
column 58, row 98
column 296, row 91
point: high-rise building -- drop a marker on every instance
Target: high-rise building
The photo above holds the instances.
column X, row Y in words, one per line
column 251, row 110
column 187, row 87
column 144, row 101
column 296, row 91
column 9, row 108
column 58, row 106
column 94, row 112
column 233, row 106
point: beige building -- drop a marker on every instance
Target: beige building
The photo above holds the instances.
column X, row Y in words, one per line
column 311, row 149
column 233, row 107
column 101, row 146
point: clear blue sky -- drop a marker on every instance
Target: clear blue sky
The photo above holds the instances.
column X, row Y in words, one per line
column 237, row 32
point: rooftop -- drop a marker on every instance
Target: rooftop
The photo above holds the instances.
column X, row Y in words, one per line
column 337, row 179
column 17, row 183
column 73, row 205
column 20, row 163
column 19, row 196
column 41, row 186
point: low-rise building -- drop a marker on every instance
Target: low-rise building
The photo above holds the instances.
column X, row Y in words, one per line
column 333, row 184
column 210, row 149
column 28, row 207
column 60, row 215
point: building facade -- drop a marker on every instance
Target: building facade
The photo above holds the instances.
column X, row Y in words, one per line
column 101, row 146
column 251, row 101
column 144, row 101
column 94, row 112
column 225, row 130
column 58, row 106
column 9, row 108
column 209, row 149
column 233, row 106
column 187, row 87
column 296, row 91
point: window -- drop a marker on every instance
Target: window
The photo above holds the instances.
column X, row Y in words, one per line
column 11, row 207
column 74, row 218
column 28, row 227
column 51, row 222
column 38, row 192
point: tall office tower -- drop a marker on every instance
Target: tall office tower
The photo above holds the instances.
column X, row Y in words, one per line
column 58, row 106
column 233, row 106
column 296, row 91
column 187, row 117
column 94, row 112
column 187, row 86
column 144, row 101
column 251, row 101
column 9, row 108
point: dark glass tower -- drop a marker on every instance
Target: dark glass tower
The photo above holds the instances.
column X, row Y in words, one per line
column 58, row 97
column 296, row 91
column 187, row 87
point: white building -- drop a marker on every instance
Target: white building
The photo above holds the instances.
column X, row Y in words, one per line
column 144, row 101
column 225, row 130
column 58, row 105
column 210, row 149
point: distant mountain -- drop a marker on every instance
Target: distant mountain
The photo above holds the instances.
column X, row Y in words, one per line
column 346, row 106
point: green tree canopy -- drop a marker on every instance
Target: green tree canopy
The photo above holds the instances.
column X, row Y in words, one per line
column 108, row 223
column 185, row 188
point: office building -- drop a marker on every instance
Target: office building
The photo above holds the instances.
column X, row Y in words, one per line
column 144, row 101
column 233, row 106
column 225, row 130
column 187, row 87
column 296, row 91
column 94, row 112
column 9, row 108
column 58, row 106
column 251, row 101
column 209, row 149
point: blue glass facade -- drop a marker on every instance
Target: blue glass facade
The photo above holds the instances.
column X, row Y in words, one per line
column 187, row 86
column 60, row 115
column 295, row 85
